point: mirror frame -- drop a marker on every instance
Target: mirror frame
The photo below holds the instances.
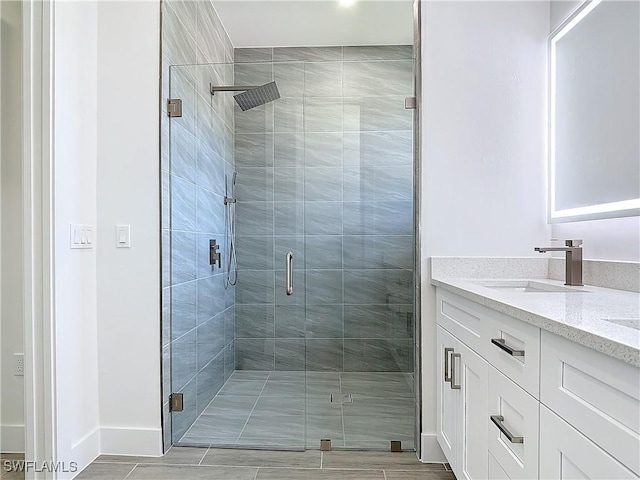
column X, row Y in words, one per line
column 626, row 208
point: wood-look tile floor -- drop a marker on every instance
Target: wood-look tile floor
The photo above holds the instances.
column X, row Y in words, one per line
column 5, row 469
column 184, row 463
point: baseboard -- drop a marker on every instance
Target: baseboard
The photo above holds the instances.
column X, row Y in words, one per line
column 12, row 438
column 83, row 452
column 131, row 441
column 430, row 451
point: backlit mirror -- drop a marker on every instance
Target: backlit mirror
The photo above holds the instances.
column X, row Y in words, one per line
column 594, row 139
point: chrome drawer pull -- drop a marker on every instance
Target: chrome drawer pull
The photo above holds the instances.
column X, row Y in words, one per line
column 447, row 376
column 453, row 371
column 497, row 420
column 499, row 342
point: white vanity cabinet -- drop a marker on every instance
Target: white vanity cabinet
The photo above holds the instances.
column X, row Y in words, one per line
column 600, row 397
column 462, row 406
column 515, row 402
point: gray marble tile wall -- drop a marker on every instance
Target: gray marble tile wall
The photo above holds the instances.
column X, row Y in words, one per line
column 197, row 158
column 326, row 172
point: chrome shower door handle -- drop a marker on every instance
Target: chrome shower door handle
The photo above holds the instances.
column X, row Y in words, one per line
column 289, row 273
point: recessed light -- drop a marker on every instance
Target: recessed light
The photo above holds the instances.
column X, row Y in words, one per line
column 347, row 3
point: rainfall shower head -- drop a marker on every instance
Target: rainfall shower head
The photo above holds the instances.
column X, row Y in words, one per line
column 251, row 97
column 257, row 96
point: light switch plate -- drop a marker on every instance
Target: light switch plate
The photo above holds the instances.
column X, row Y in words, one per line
column 81, row 236
column 123, row 236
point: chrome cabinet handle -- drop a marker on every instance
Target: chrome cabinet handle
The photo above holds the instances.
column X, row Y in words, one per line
column 497, row 420
column 454, row 386
column 500, row 343
column 447, row 376
column 289, row 269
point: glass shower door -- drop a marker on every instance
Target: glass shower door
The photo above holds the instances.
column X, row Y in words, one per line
column 359, row 249
column 196, row 240
column 268, row 154
column 318, row 187
column 236, row 213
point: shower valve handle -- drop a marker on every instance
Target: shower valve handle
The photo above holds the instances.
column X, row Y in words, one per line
column 214, row 254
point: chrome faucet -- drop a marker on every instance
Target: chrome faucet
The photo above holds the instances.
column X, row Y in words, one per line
column 573, row 262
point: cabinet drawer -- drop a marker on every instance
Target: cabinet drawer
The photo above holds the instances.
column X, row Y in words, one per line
column 514, row 349
column 463, row 318
column 477, row 325
column 595, row 393
column 567, row 454
column 513, row 427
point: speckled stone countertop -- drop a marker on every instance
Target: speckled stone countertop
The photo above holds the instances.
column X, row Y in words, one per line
column 603, row 319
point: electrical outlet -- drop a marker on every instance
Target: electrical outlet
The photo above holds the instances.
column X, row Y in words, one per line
column 18, row 364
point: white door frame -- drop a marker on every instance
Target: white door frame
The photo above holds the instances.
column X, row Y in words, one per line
column 40, row 421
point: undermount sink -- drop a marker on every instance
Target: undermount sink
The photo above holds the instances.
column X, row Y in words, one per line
column 528, row 286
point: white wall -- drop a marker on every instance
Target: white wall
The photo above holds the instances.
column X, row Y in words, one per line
column 561, row 9
column 75, row 154
column 128, row 193
column 607, row 239
column 106, row 173
column 483, row 159
column 11, row 311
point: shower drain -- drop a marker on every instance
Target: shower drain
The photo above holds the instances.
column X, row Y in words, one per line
column 341, row 398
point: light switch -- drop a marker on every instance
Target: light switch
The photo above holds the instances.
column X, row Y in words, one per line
column 81, row 236
column 123, row 236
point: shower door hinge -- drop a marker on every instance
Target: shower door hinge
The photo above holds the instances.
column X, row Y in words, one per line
column 410, row 103
column 176, row 403
column 174, row 107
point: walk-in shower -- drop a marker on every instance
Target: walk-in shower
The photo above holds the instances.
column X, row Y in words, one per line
column 316, row 186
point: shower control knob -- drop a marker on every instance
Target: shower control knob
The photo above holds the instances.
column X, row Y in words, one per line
column 214, row 254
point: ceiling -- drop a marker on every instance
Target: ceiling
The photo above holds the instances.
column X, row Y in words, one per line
column 305, row 23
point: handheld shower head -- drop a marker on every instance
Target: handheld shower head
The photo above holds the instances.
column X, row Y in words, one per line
column 232, row 198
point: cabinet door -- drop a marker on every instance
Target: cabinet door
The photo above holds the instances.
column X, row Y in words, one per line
column 568, row 455
column 599, row 395
column 471, row 372
column 447, row 398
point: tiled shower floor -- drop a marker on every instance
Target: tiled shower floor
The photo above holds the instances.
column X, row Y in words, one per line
column 269, row 409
